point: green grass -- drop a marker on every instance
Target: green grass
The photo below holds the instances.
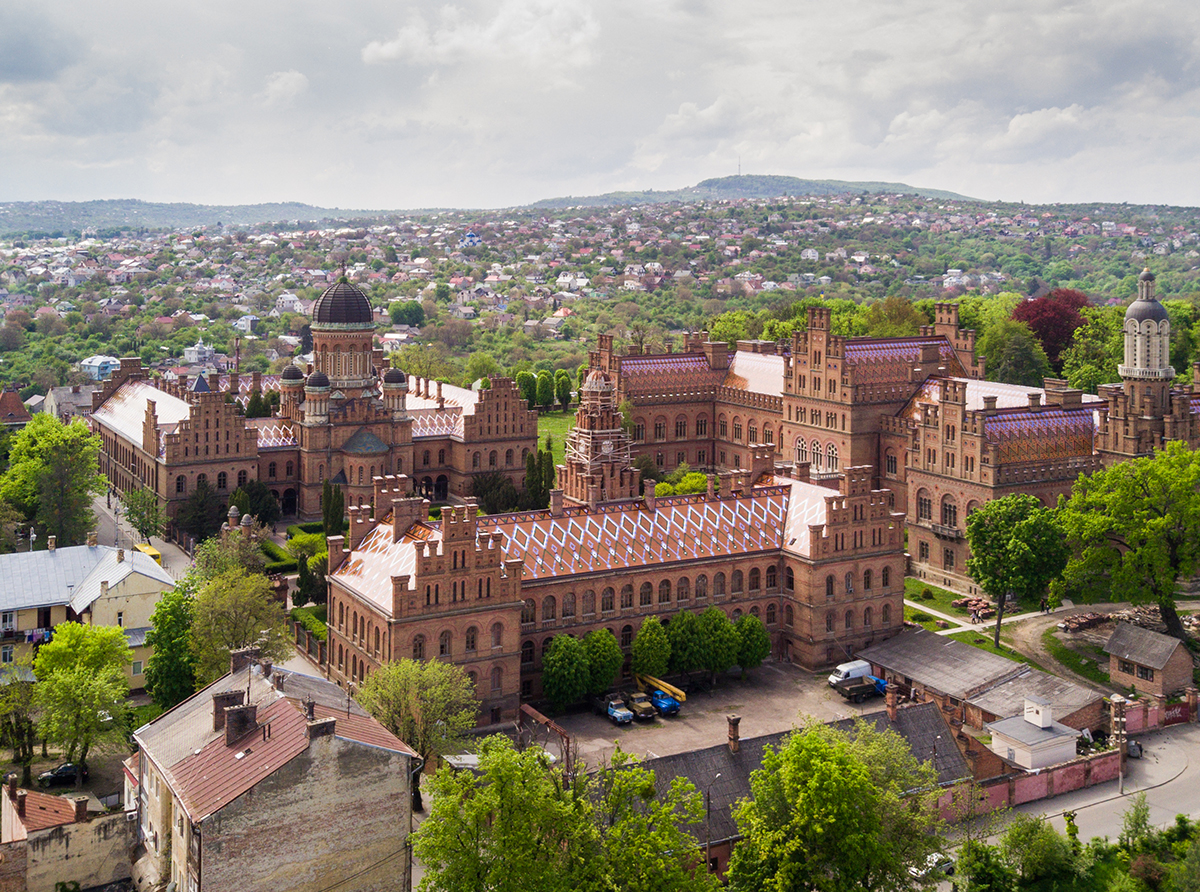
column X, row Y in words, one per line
column 983, row 640
column 1076, row 662
column 307, row 617
column 556, row 423
column 911, row 615
column 941, row 598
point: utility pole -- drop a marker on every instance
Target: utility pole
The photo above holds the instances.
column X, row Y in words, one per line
column 1118, row 732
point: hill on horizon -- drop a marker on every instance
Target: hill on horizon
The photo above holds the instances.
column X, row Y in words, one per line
column 744, row 186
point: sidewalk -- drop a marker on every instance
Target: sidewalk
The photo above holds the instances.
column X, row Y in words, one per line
column 175, row 560
column 964, row 625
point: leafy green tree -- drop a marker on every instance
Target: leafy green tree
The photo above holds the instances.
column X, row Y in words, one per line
column 983, row 869
column 1185, row 875
column 1016, row 546
column 220, row 555
column 651, row 650
column 836, row 811
column 406, row 312
column 893, row 317
column 545, row 389
column 333, row 509
column 1134, row 530
column 562, row 389
column 1097, row 350
column 480, row 365
column 1036, row 850
column 428, row 704
column 495, row 492
column 144, row 512
column 687, row 642
column 52, row 476
column 1014, row 355
column 754, row 642
column 18, row 718
column 721, row 642
column 527, row 384
column 171, row 669
column 604, row 659
column 10, row 520
column 509, row 826
column 565, row 671
column 254, row 498
column 202, row 513
column 81, row 680
column 231, row 611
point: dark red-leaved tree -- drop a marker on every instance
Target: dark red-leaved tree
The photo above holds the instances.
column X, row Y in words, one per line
column 1053, row 319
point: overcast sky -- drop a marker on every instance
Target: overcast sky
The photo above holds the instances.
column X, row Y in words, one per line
column 485, row 104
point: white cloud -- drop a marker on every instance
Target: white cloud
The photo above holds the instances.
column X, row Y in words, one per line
column 283, row 87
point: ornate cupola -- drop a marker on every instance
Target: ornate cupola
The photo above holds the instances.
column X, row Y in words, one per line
column 343, row 328
column 316, row 398
column 1147, row 336
column 395, row 392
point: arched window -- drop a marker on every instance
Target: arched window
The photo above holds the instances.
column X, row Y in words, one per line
column 271, row 470
column 829, row 587
column 589, row 603
column 735, row 585
column 526, row 653
column 849, row 583
column 222, row 481
column 801, row 451
column 473, row 677
column 754, row 611
column 681, row 590
column 886, row 614
column 949, row 512
column 549, row 608
column 201, row 480
column 290, row 467
column 701, row 587
column 341, row 658
column 867, row 619
column 475, row 460
column 755, row 579
column 829, row 620
column 607, row 598
column 789, row 615
column 441, row 457
column 418, row 649
column 646, row 595
column 770, row 614
column 737, row 614
column 508, row 457
column 341, row 615
column 180, row 484
column 772, row 578
column 885, row 577
column 719, row 585
column 664, row 592
column 924, row 505
column 444, row 644
column 849, row 620
column 568, row 605
column 528, row 611
column 241, row 478
column 471, row 639
column 360, row 475
column 626, row 597
column 425, row 459
column 789, row 579
column 866, row 580
column 497, row 634
column 497, row 680
column 831, row 458
column 626, row 636
column 492, row 458
column 816, row 456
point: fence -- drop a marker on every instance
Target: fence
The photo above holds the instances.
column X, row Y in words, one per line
column 1014, row 789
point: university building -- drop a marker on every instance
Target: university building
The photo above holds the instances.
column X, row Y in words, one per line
column 348, row 418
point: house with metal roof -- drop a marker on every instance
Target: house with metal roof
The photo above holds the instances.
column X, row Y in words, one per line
column 1148, row 661
column 90, row 584
column 267, row 780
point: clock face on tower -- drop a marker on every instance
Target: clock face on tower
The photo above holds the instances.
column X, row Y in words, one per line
column 606, row 447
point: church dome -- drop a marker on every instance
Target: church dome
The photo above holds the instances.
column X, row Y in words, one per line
column 1147, row 306
column 394, row 376
column 317, row 380
column 342, row 304
column 293, row 373
column 597, row 382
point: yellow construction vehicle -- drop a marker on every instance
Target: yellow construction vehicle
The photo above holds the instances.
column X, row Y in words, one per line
column 649, row 683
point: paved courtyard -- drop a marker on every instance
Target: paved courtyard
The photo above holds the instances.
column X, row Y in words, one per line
column 772, row 698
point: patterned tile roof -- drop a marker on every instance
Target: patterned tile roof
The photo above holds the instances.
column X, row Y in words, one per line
column 273, row 433
column 877, row 360
column 1025, row 435
column 756, row 372
column 437, row 424
column 669, row 371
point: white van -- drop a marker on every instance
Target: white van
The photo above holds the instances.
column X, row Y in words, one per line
column 855, row 669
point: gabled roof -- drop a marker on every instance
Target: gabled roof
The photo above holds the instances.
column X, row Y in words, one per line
column 941, row 663
column 47, row 578
column 109, row 569
column 207, row 773
column 43, row 811
column 12, row 409
column 1141, row 646
column 921, row 725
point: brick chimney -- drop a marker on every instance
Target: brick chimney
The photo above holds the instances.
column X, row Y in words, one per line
column 891, row 700
column 321, row 728
column 21, row 794
column 222, row 700
column 81, row 811
column 556, row 502
column 12, row 786
column 91, row 539
column 240, row 721
column 734, row 738
column 120, row 555
column 240, row 659
column 51, row 542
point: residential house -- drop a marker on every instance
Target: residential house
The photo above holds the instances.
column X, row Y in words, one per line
column 64, row 403
column 269, row 780
column 99, row 367
column 1148, row 661
column 13, row 414
column 1033, row 740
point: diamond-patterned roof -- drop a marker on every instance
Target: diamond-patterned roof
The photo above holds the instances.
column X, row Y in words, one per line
column 1052, row 433
column 876, row 360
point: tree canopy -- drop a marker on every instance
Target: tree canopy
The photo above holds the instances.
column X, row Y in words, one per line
column 144, row 512
column 651, row 649
column 171, row 668
column 1133, row 531
column 234, row 610
column 566, row 676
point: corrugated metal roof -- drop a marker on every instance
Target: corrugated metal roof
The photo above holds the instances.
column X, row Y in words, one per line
column 942, row 664
column 46, row 578
column 109, row 569
column 125, row 410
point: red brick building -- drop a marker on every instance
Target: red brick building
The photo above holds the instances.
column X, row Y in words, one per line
column 349, row 420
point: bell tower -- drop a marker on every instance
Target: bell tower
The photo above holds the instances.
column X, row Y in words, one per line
column 598, row 464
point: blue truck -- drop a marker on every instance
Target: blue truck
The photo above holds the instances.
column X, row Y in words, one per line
column 664, row 703
column 613, row 707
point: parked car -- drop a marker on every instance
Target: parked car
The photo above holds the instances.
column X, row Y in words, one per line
column 664, row 703
column 937, row 864
column 639, row 704
column 60, row 776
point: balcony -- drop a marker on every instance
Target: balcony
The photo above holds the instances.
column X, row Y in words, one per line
column 944, row 532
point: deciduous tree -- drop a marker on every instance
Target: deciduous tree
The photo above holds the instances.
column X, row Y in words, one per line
column 687, row 642
column 720, row 642
column 171, row 668
column 430, row 705
column 565, row 671
column 754, row 642
column 234, row 610
column 18, row 717
column 254, row 498
column 651, row 649
column 1053, row 320
column 1014, row 355
column 144, row 512
column 1016, row 546
column 1097, row 349
column 604, row 659
column 202, row 513
column 1133, row 531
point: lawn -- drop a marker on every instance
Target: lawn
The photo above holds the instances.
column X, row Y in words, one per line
column 941, row 598
column 983, row 640
column 555, row 423
column 915, row 615
column 1091, row 669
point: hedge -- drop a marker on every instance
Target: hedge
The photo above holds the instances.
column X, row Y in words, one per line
column 278, row 560
column 297, row 528
column 305, row 618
